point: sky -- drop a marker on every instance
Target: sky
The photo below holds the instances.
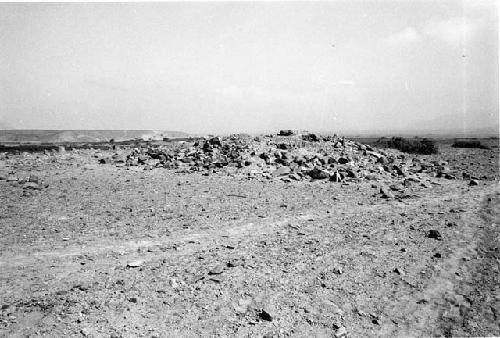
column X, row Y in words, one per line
column 223, row 67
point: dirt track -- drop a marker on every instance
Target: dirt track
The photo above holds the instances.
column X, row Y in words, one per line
column 105, row 251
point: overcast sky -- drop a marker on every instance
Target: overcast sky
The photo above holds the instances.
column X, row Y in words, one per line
column 249, row 67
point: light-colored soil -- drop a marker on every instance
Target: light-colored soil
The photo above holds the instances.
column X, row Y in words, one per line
column 107, row 251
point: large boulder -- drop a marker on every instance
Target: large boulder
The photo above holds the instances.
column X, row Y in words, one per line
column 343, row 160
column 286, row 132
column 318, row 174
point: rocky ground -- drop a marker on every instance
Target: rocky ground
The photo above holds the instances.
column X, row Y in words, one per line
column 250, row 237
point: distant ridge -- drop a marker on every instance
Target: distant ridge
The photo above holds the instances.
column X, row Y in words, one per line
column 66, row 136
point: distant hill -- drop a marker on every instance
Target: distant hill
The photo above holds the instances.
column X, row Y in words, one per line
column 66, row 136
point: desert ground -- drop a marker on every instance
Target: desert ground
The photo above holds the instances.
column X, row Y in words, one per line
column 270, row 236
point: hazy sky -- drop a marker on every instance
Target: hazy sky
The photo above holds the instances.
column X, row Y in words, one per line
column 249, row 66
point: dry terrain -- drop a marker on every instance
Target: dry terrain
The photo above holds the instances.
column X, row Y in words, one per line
column 250, row 237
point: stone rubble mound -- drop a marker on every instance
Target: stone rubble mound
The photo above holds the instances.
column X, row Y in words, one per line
column 289, row 158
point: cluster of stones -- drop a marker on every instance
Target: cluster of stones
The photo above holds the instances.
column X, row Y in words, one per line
column 210, row 154
column 32, row 182
column 291, row 159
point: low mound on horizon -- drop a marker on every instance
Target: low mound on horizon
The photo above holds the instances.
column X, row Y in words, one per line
column 66, row 136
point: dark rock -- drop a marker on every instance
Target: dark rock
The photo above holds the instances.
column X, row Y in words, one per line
column 397, row 187
column 385, row 192
column 215, row 141
column 265, row 156
column 34, row 179
column 473, row 182
column 318, row 174
column 81, row 286
column 31, row 185
column 217, row 270
column 142, row 159
column 343, row 160
column 398, row 271
column 286, row 132
column 434, row 234
column 310, row 138
column 234, row 263
column 351, row 173
column 135, row 264
column 264, row 315
column 398, row 169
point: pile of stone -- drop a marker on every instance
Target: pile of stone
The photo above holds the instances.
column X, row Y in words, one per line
column 289, row 158
column 210, row 154
column 31, row 182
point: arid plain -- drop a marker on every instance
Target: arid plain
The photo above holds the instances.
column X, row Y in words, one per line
column 270, row 236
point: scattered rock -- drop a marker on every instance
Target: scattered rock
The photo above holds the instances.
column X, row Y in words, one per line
column 375, row 319
column 31, row 185
column 83, row 286
column 399, row 271
column 434, row 234
column 85, row 332
column 217, row 270
column 351, row 173
column 473, row 182
column 234, row 263
column 34, row 179
column 310, row 138
column 135, row 264
column 318, row 174
column 286, row 132
column 386, row 193
column 281, row 171
column 338, row 270
column 262, row 314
